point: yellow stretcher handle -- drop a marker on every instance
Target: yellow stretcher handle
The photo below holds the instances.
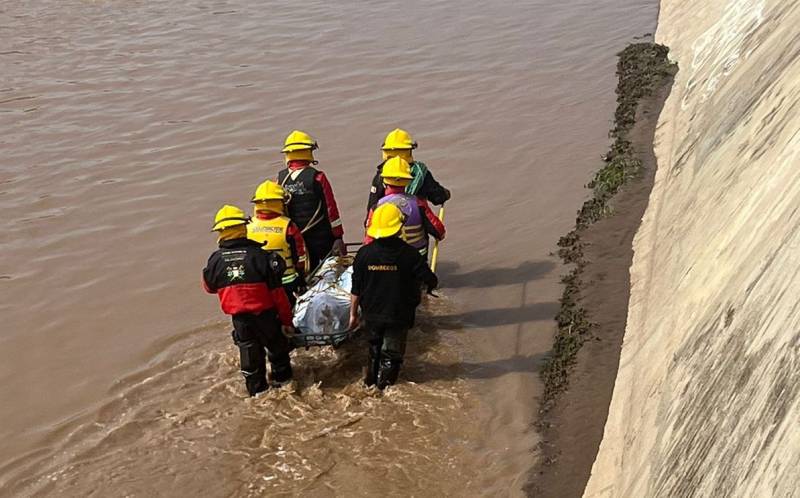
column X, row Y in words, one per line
column 435, row 253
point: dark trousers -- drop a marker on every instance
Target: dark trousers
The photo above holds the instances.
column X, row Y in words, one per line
column 387, row 346
column 259, row 337
column 318, row 246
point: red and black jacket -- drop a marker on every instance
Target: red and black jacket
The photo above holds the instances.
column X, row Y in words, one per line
column 312, row 204
column 247, row 279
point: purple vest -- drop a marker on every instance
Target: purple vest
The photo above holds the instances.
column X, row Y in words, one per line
column 413, row 229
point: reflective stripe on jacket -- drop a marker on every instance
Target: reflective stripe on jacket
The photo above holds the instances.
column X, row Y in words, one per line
column 413, row 230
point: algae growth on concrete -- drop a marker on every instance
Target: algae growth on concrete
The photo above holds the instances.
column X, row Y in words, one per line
column 641, row 68
column 580, row 374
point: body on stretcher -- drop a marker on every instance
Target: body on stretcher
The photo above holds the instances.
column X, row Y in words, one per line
column 322, row 313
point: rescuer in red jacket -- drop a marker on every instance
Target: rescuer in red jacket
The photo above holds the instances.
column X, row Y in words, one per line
column 420, row 221
column 279, row 234
column 311, row 203
column 247, row 281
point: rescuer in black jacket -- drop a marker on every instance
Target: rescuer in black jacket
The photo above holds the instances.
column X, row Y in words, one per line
column 247, row 281
column 398, row 143
column 387, row 275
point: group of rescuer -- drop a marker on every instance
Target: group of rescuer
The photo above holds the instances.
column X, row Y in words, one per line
column 262, row 262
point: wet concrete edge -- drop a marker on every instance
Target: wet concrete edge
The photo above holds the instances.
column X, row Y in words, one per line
column 580, row 372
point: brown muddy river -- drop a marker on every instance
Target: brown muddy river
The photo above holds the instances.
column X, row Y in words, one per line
column 125, row 124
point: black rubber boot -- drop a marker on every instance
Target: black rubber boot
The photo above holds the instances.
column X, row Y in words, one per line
column 388, row 373
column 253, row 367
column 373, row 365
column 281, row 368
column 280, row 376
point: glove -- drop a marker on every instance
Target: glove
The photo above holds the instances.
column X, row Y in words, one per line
column 288, row 330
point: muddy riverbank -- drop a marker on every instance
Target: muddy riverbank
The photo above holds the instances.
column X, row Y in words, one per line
column 579, row 376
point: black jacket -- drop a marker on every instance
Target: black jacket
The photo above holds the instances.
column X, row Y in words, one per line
column 431, row 190
column 387, row 275
column 307, row 202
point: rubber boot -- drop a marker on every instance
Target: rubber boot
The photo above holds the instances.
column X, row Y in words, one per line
column 280, row 369
column 373, row 365
column 256, row 382
column 253, row 367
column 388, row 373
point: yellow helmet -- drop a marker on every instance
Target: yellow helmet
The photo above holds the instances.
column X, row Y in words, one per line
column 398, row 139
column 299, row 140
column 268, row 191
column 396, row 171
column 229, row 216
column 387, row 220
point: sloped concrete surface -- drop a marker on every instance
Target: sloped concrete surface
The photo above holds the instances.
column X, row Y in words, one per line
column 707, row 398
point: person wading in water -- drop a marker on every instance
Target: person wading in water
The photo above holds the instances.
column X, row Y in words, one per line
column 278, row 233
column 398, row 143
column 247, row 281
column 420, row 220
column 311, row 204
column 387, row 275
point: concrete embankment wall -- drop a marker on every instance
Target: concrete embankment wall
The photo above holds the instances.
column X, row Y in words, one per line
column 707, row 399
